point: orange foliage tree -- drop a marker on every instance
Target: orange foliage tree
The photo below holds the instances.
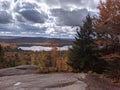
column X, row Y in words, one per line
column 54, row 52
column 109, row 24
column 109, row 18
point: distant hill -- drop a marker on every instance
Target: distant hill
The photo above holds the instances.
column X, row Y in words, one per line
column 8, row 37
column 13, row 39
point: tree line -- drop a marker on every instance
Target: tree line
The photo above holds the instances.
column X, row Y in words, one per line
column 54, row 59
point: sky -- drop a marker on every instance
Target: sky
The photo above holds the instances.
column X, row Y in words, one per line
column 44, row 18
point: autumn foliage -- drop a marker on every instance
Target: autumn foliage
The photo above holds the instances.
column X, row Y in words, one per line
column 48, row 61
column 109, row 17
column 108, row 26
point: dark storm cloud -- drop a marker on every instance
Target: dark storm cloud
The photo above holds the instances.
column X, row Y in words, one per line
column 71, row 12
column 25, row 11
column 29, row 12
column 19, row 18
column 5, row 17
column 43, row 17
column 34, row 16
column 70, row 18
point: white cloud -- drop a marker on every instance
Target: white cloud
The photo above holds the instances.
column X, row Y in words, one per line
column 50, row 18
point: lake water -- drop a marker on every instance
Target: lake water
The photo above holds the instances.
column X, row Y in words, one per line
column 41, row 48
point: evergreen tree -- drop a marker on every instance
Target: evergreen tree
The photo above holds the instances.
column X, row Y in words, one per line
column 113, row 69
column 2, row 62
column 83, row 55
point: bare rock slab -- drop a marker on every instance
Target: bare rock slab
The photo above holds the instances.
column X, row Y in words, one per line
column 64, row 81
column 19, row 70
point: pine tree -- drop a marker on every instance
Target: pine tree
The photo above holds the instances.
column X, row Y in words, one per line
column 113, row 69
column 83, row 55
column 2, row 62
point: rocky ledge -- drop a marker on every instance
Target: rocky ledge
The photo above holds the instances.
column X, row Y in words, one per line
column 19, row 70
column 20, row 78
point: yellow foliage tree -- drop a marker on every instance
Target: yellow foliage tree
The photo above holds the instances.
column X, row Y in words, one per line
column 54, row 52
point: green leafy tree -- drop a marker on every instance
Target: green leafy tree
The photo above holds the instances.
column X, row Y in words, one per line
column 83, row 55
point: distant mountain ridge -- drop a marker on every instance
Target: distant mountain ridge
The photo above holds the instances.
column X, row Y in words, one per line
column 8, row 37
column 14, row 39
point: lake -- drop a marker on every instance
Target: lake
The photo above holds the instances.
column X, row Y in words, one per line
column 43, row 48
